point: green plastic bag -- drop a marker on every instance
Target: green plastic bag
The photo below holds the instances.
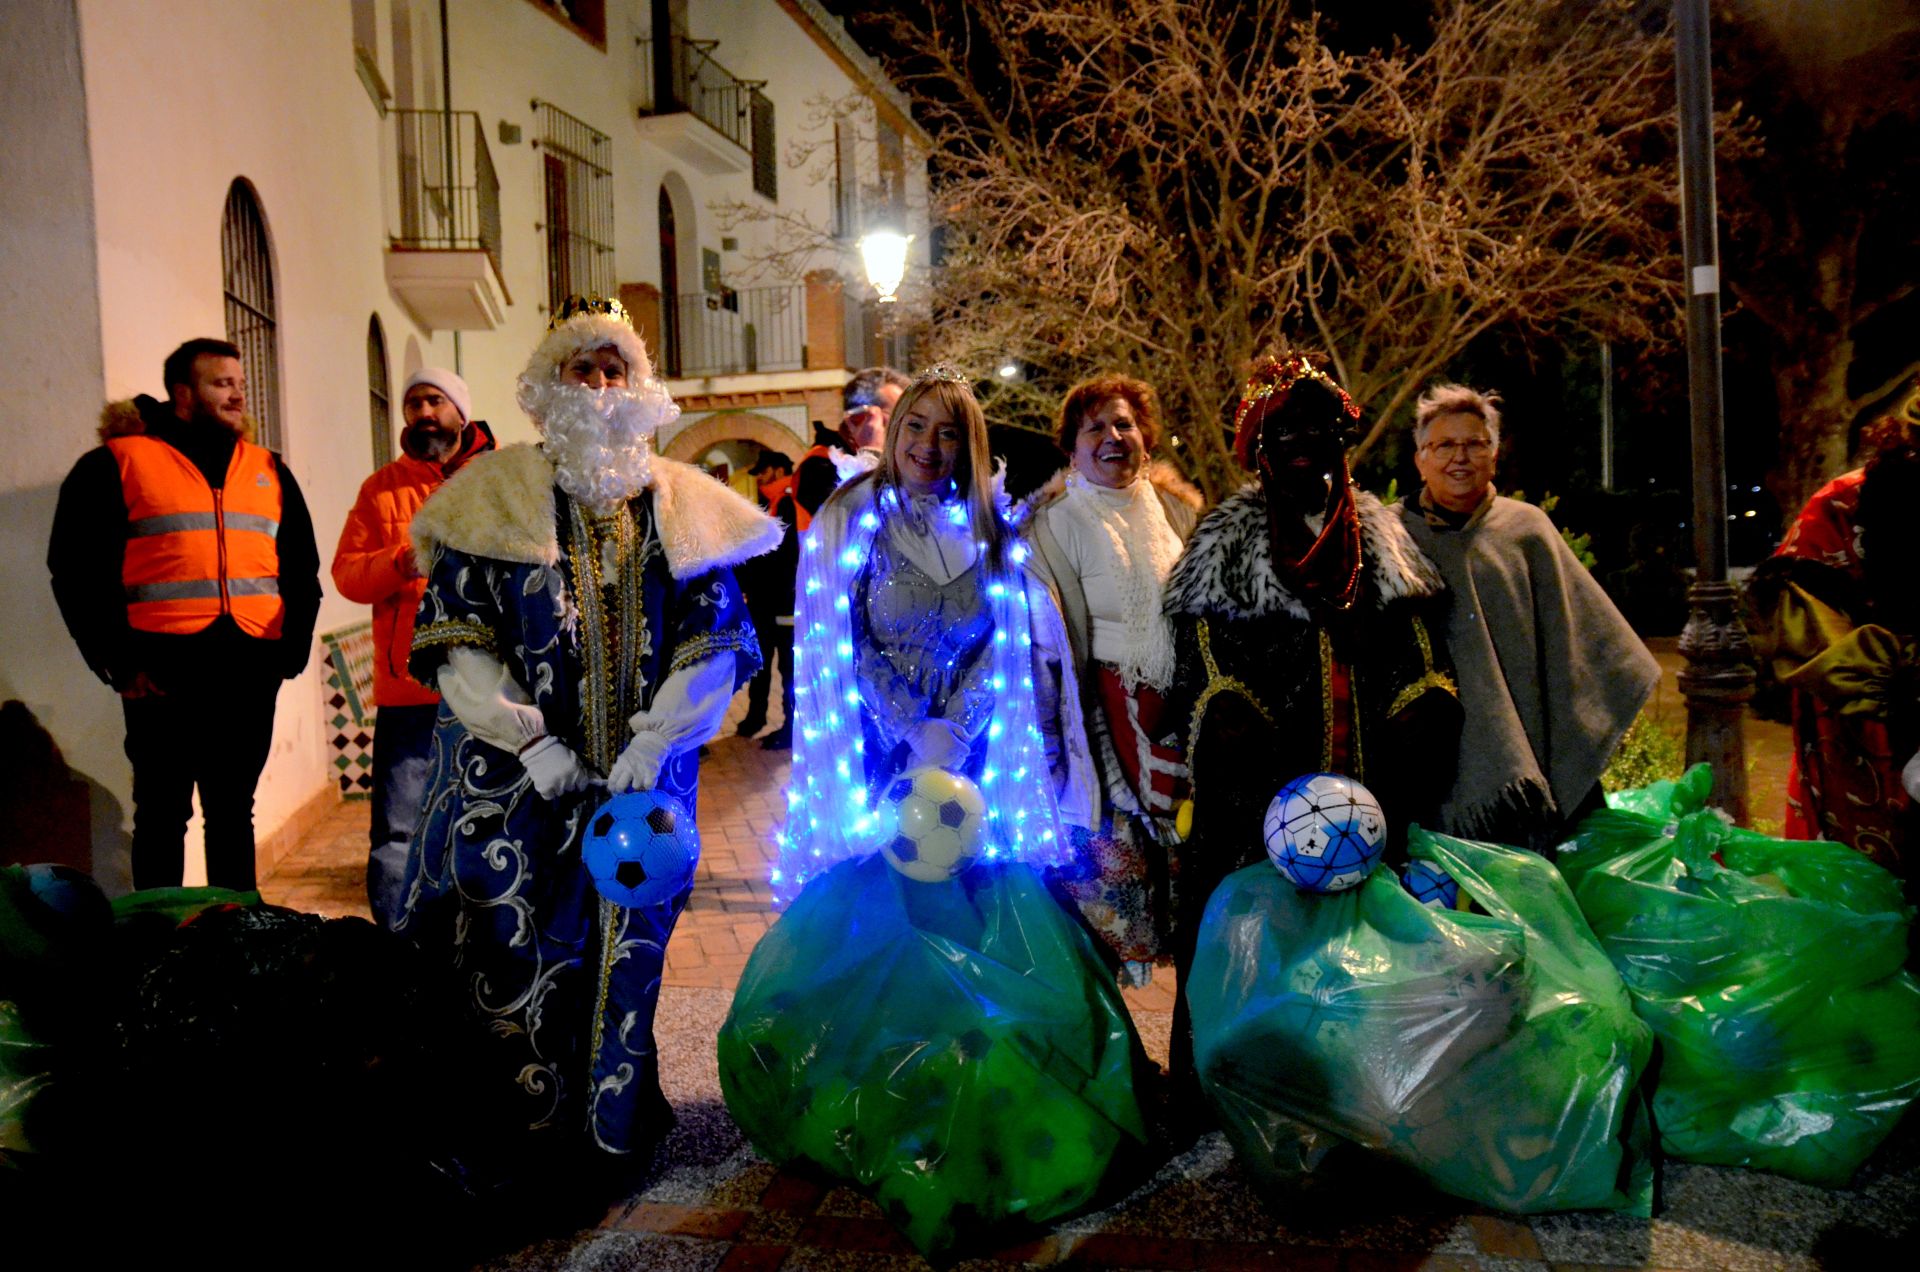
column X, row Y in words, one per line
column 1770, row 970
column 1495, row 1053
column 23, row 1075
column 956, row 1049
column 178, row 904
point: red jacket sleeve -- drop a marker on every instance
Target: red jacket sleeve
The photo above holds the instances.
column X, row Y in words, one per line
column 366, row 565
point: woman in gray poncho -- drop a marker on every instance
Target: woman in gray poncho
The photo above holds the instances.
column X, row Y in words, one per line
column 1550, row 674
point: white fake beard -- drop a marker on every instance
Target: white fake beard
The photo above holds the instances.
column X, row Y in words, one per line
column 600, row 441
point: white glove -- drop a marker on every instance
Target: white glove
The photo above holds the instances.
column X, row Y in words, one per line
column 938, row 744
column 554, row 768
column 638, row 765
column 1910, row 776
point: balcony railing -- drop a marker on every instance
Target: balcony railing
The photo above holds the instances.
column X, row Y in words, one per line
column 681, row 75
column 449, row 194
column 735, row 332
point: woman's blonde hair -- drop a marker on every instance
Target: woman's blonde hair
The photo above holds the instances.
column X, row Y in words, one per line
column 972, row 469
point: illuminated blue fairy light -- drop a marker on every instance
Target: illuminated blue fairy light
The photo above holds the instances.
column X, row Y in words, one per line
column 828, row 760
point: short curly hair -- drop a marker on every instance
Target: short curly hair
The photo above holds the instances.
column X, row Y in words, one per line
column 1455, row 399
column 1088, row 396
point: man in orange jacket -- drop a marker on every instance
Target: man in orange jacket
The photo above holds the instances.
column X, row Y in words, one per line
column 374, row 565
column 184, row 564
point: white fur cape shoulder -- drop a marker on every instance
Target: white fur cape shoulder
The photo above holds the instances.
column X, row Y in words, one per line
column 1227, row 569
column 501, row 505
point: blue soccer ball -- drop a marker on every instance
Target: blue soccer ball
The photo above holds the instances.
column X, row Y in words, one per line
column 1325, row 832
column 1431, row 886
column 641, row 848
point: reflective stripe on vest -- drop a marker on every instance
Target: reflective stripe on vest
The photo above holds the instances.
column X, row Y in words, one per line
column 193, row 552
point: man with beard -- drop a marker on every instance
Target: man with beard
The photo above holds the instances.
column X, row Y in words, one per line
column 866, row 405
column 583, row 625
column 184, row 565
column 375, row 565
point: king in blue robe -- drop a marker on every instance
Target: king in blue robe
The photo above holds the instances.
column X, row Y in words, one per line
column 619, row 632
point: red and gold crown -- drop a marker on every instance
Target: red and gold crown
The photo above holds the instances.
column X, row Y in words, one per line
column 1267, row 388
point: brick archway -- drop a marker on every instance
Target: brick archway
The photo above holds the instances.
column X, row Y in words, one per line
column 734, row 426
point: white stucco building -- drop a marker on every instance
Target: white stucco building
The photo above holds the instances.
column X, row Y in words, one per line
column 352, row 189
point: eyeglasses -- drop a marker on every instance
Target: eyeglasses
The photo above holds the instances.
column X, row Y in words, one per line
column 1474, row 448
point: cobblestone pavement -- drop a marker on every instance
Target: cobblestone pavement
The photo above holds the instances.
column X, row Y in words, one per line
column 708, row 1202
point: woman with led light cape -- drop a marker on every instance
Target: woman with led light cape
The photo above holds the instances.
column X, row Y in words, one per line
column 956, row 1046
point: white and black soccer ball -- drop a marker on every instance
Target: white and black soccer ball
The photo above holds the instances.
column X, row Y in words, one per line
column 936, row 824
column 1325, row 832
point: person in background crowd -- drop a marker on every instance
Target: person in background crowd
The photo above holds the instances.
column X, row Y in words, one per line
column 184, row 565
column 1550, row 674
column 1105, row 533
column 1307, row 640
column 867, row 403
column 1841, row 633
column 374, row 565
column 582, row 623
column 768, row 582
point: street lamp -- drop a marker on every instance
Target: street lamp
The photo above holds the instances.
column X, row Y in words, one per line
column 1717, row 681
column 884, row 253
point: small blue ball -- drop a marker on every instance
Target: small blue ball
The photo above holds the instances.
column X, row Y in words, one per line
column 641, row 848
column 1431, row 886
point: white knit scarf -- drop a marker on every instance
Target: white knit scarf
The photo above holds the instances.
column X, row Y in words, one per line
column 1131, row 528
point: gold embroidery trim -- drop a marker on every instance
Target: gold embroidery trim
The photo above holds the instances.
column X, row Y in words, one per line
column 1429, row 678
column 1326, row 701
column 455, row 631
column 608, row 944
column 706, row 644
column 1432, row 680
column 1216, row 684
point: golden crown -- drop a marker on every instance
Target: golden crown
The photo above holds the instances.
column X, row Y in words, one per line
column 574, row 306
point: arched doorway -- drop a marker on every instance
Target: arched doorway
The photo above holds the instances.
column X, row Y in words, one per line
column 726, row 426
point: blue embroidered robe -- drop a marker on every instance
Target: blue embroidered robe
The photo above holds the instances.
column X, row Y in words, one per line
column 565, row 980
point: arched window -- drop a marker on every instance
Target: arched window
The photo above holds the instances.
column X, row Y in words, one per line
column 669, row 288
column 379, row 392
column 246, row 263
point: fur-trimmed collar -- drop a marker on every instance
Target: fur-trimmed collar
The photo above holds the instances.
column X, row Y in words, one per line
column 501, row 505
column 1227, row 569
column 127, row 417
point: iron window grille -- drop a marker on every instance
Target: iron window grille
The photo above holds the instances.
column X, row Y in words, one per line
column 246, row 266
column 576, row 159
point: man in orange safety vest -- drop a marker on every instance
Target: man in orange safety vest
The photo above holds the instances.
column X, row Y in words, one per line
column 184, row 563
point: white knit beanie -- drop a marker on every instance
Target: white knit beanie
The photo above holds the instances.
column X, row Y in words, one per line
column 448, row 383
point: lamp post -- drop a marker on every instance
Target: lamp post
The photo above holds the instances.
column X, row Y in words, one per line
column 884, row 253
column 1717, row 681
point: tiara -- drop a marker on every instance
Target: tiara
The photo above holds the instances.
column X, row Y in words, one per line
column 944, row 373
column 574, row 306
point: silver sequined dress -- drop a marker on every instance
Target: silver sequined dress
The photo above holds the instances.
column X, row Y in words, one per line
column 920, row 648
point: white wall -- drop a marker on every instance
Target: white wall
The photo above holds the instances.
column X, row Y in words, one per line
column 50, row 345
column 129, row 120
column 181, row 100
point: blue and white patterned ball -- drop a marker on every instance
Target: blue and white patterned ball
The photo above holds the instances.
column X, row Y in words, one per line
column 1431, row 886
column 641, row 848
column 1325, row 832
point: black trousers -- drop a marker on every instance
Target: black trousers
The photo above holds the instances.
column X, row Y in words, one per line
column 212, row 735
column 776, row 644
